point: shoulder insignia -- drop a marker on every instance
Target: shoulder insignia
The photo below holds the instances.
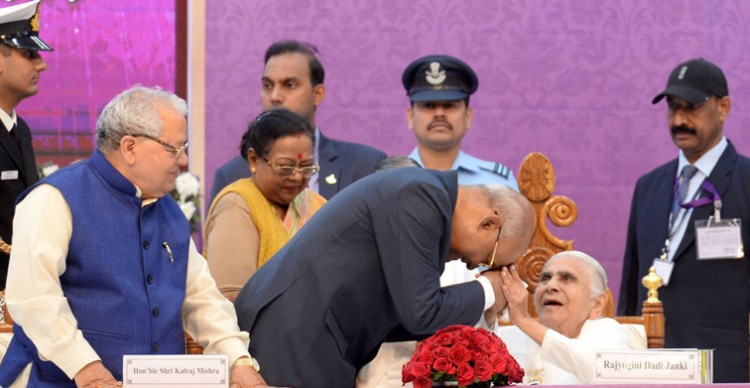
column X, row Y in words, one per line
column 498, row 169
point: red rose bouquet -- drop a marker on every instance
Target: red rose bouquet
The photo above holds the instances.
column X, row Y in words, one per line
column 463, row 354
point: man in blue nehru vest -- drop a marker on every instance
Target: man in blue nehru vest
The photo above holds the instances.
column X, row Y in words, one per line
column 705, row 293
column 103, row 264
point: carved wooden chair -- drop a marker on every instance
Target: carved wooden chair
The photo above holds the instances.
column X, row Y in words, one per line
column 537, row 181
column 7, row 325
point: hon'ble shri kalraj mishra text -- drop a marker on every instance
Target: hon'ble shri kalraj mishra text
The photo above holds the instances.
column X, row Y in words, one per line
column 177, row 371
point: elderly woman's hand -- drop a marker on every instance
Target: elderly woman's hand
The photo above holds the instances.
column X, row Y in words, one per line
column 516, row 294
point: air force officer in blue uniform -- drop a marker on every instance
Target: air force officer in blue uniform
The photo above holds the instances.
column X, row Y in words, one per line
column 439, row 87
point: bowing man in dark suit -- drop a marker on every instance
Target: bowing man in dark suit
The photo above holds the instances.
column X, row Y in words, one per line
column 20, row 66
column 293, row 79
column 367, row 268
column 706, row 295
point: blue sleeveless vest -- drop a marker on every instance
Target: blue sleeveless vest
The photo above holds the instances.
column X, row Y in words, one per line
column 126, row 268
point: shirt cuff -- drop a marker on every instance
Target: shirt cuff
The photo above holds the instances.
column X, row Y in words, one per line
column 489, row 293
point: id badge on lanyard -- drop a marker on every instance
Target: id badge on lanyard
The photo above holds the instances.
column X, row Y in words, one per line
column 719, row 239
column 715, row 238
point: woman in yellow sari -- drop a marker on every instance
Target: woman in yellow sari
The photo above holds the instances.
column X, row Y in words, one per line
column 253, row 218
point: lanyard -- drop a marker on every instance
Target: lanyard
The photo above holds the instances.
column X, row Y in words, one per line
column 683, row 208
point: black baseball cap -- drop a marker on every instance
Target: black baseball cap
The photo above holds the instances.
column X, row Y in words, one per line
column 695, row 81
column 439, row 78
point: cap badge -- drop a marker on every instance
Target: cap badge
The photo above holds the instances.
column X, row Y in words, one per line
column 682, row 73
column 331, row 179
column 435, row 76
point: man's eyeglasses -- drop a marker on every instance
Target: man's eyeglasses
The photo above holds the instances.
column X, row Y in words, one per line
column 291, row 170
column 177, row 150
column 494, row 252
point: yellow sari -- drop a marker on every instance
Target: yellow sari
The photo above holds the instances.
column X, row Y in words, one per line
column 273, row 231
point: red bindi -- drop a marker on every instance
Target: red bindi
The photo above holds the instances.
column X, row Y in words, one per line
column 299, row 156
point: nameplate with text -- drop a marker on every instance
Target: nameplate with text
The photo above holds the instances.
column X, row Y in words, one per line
column 660, row 366
column 190, row 370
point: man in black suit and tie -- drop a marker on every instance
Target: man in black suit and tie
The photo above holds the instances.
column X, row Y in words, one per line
column 676, row 207
column 367, row 268
column 20, row 66
column 293, row 79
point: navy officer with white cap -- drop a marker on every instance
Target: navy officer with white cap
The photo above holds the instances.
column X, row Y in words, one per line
column 439, row 87
column 20, row 66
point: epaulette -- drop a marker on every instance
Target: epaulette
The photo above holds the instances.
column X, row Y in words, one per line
column 498, row 169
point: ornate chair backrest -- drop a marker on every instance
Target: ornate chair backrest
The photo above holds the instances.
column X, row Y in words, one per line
column 6, row 326
column 537, row 181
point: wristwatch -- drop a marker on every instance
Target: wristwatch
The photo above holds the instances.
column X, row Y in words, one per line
column 247, row 361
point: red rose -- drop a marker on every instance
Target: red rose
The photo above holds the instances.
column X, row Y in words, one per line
column 459, row 354
column 499, row 363
column 443, row 365
column 479, row 355
column 483, row 370
column 462, row 341
column 426, row 357
column 465, row 374
column 483, row 342
column 444, row 339
column 441, row 351
column 418, row 369
column 406, row 375
column 422, row 382
column 516, row 373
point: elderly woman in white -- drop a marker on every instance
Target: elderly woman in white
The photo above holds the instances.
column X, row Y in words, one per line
column 560, row 347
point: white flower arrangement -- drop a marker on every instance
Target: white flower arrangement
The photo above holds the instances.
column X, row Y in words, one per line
column 187, row 195
column 46, row 169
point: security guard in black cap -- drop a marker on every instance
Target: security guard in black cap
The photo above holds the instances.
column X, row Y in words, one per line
column 439, row 87
column 702, row 192
column 20, row 67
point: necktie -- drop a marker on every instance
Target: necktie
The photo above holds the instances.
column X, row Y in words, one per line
column 685, row 175
column 17, row 139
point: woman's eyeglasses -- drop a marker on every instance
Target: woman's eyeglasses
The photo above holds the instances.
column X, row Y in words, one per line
column 286, row 171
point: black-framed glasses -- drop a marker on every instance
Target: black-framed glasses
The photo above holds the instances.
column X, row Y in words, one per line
column 291, row 170
column 177, row 150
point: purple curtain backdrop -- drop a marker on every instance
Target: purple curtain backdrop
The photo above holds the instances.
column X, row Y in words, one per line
column 101, row 49
column 571, row 79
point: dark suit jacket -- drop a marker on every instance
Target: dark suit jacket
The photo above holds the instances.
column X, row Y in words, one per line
column 346, row 161
column 25, row 165
column 366, row 265
column 707, row 302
